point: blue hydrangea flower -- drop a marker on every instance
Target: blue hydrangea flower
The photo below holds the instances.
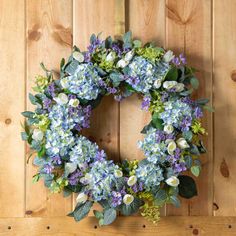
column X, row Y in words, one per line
column 100, row 179
column 154, row 151
column 150, row 175
column 142, row 74
column 178, row 114
column 85, row 151
column 84, row 82
column 59, row 141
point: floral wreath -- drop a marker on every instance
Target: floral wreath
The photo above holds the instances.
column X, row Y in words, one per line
column 70, row 162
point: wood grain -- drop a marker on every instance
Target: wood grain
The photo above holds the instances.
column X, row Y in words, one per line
column 225, row 110
column 124, row 226
column 49, row 38
column 188, row 30
column 12, row 90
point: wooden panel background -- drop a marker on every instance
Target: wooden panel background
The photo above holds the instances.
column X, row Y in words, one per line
column 32, row 31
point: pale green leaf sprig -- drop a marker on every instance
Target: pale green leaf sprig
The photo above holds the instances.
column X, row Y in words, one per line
column 150, row 213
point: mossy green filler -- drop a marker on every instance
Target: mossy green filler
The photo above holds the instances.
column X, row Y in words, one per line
column 69, row 162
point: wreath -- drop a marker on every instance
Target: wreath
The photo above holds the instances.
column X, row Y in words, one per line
column 68, row 161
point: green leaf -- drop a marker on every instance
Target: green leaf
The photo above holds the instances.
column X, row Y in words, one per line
column 194, row 150
column 109, row 216
column 209, row 108
column 62, row 63
column 172, row 74
column 93, row 37
column 188, row 135
column 137, row 43
column 187, row 187
column 161, row 195
column 194, row 82
column 195, row 170
column 132, row 208
column 116, row 78
column 98, row 214
column 188, row 161
column 28, row 114
column 127, row 38
column 202, row 101
column 186, row 92
column 146, row 128
column 66, row 192
column 175, row 201
column 156, row 121
column 32, row 99
column 36, row 178
column 82, row 210
column 24, row 136
column 71, row 68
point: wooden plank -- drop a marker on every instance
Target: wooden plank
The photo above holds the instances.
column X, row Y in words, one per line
column 106, row 17
column 188, row 30
column 224, row 101
column 49, row 38
column 146, row 20
column 12, row 150
column 168, row 226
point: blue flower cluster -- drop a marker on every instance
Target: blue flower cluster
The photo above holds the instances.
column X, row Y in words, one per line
column 177, row 113
column 142, row 74
column 150, row 174
column 84, row 82
column 99, row 179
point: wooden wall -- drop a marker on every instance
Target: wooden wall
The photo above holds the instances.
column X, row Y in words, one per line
column 32, row 31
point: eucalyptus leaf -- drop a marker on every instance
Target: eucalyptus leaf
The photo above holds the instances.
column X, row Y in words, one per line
column 32, row 99
column 188, row 161
column 82, row 210
column 188, row 135
column 195, row 170
column 98, row 214
column 202, row 101
column 175, row 201
column 194, row 150
column 28, row 114
column 132, row 208
column 109, row 216
column 146, row 128
column 194, row 82
column 24, row 136
column 71, row 68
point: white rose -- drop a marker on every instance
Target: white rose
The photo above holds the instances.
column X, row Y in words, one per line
column 169, row 84
column 74, row 102
column 64, row 83
column 132, row 180
column 37, row 135
column 82, row 198
column 179, row 87
column 122, row 63
column 78, row 56
column 118, row 173
column 173, row 181
column 171, row 147
column 182, row 143
column 61, row 99
column 157, row 83
column 168, row 129
column 129, row 55
column 128, row 199
column 110, row 56
column 168, row 56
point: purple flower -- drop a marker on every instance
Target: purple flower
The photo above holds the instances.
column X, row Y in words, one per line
column 48, row 168
column 111, row 90
column 133, row 80
column 74, row 177
column 179, row 167
column 188, row 101
column 164, row 96
column 198, row 112
column 116, row 199
column 115, row 47
column 47, row 103
column 160, row 136
column 186, row 123
column 176, row 61
column 100, row 156
column 56, row 160
column 182, row 58
column 146, row 103
column 52, row 89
